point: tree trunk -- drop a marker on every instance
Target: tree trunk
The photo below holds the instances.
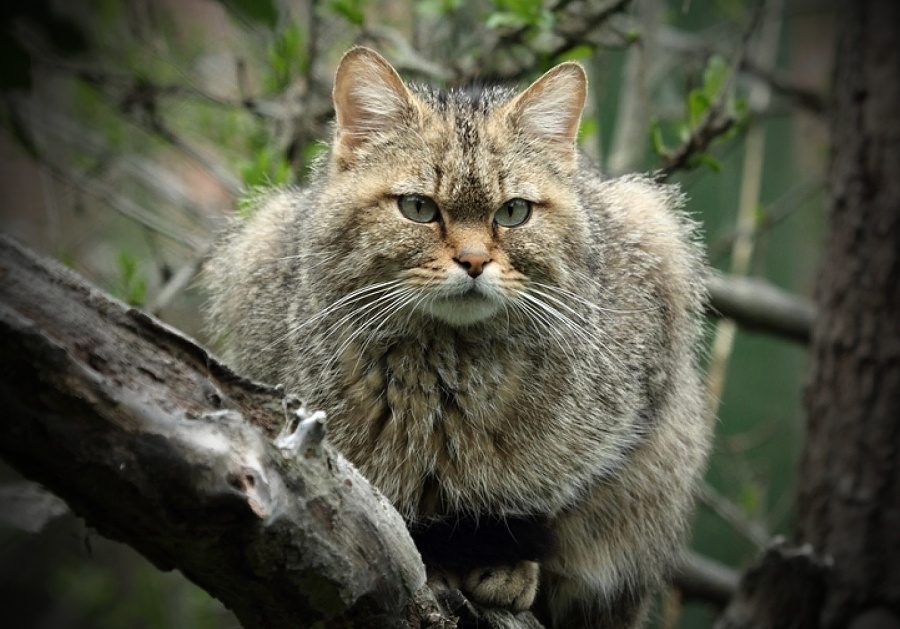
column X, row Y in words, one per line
column 849, row 500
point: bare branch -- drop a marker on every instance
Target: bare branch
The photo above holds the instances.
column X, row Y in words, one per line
column 180, row 280
column 702, row 579
column 685, row 45
column 757, row 305
column 751, row 530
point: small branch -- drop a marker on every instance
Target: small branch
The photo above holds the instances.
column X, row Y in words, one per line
column 691, row 46
column 404, row 56
column 702, row 579
column 52, row 127
column 582, row 22
column 121, row 204
column 219, row 171
column 714, row 124
column 780, row 84
column 751, row 530
column 576, row 21
column 757, row 305
column 769, row 216
column 180, row 280
column 716, row 121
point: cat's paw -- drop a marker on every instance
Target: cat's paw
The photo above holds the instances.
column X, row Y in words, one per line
column 511, row 586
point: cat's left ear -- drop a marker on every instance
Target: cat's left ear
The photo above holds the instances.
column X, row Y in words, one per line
column 550, row 109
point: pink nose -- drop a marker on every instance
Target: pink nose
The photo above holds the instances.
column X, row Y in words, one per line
column 473, row 261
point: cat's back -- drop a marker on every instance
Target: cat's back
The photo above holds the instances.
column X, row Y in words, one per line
column 255, row 268
column 645, row 257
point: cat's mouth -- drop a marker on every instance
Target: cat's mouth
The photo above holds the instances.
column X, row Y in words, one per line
column 471, row 305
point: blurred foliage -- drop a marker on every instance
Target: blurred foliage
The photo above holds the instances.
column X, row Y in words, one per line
column 134, row 130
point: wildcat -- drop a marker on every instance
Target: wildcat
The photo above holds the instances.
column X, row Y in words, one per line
column 504, row 341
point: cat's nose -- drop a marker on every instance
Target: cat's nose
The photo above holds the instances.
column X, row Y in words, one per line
column 473, row 261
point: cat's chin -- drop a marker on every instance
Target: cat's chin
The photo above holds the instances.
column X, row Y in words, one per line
column 464, row 310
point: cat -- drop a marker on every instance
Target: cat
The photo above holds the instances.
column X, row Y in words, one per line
column 504, row 340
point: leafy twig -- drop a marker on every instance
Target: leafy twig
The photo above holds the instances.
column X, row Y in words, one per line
column 717, row 120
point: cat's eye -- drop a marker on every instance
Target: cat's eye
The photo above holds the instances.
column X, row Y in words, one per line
column 418, row 208
column 513, row 213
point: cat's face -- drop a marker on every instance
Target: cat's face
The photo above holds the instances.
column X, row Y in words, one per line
column 451, row 205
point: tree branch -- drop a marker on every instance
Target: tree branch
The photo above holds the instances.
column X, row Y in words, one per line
column 158, row 445
column 702, row 579
column 784, row 588
column 757, row 305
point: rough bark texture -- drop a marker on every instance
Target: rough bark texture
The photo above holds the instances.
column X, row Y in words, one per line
column 784, row 589
column 157, row 445
column 849, row 502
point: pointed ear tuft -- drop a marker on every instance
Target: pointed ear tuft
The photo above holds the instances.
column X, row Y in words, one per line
column 550, row 109
column 369, row 97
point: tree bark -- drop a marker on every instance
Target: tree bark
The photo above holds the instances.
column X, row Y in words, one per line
column 157, row 445
column 849, row 496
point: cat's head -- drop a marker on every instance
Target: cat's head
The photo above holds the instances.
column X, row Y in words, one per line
column 454, row 203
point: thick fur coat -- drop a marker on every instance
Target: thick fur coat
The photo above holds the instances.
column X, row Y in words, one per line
column 478, row 369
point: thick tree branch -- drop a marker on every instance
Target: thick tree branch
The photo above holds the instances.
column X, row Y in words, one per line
column 785, row 588
column 156, row 444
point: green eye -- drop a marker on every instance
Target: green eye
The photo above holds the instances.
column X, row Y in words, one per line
column 513, row 213
column 418, row 208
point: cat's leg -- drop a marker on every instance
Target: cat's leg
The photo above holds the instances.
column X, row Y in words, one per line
column 493, row 560
column 617, row 545
column 565, row 604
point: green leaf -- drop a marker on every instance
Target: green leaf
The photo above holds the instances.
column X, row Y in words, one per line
column 750, row 498
column 268, row 168
column 504, row 20
column 704, row 159
column 714, row 76
column 287, row 57
column 656, row 138
column 588, row 128
column 518, row 13
column 265, row 12
column 438, row 7
column 132, row 287
column 697, row 104
column 633, row 34
column 579, row 52
column 351, row 10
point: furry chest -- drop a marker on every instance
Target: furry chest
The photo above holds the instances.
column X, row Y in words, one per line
column 439, row 425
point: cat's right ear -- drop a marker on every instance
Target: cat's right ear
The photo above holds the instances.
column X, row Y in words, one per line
column 550, row 109
column 370, row 98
